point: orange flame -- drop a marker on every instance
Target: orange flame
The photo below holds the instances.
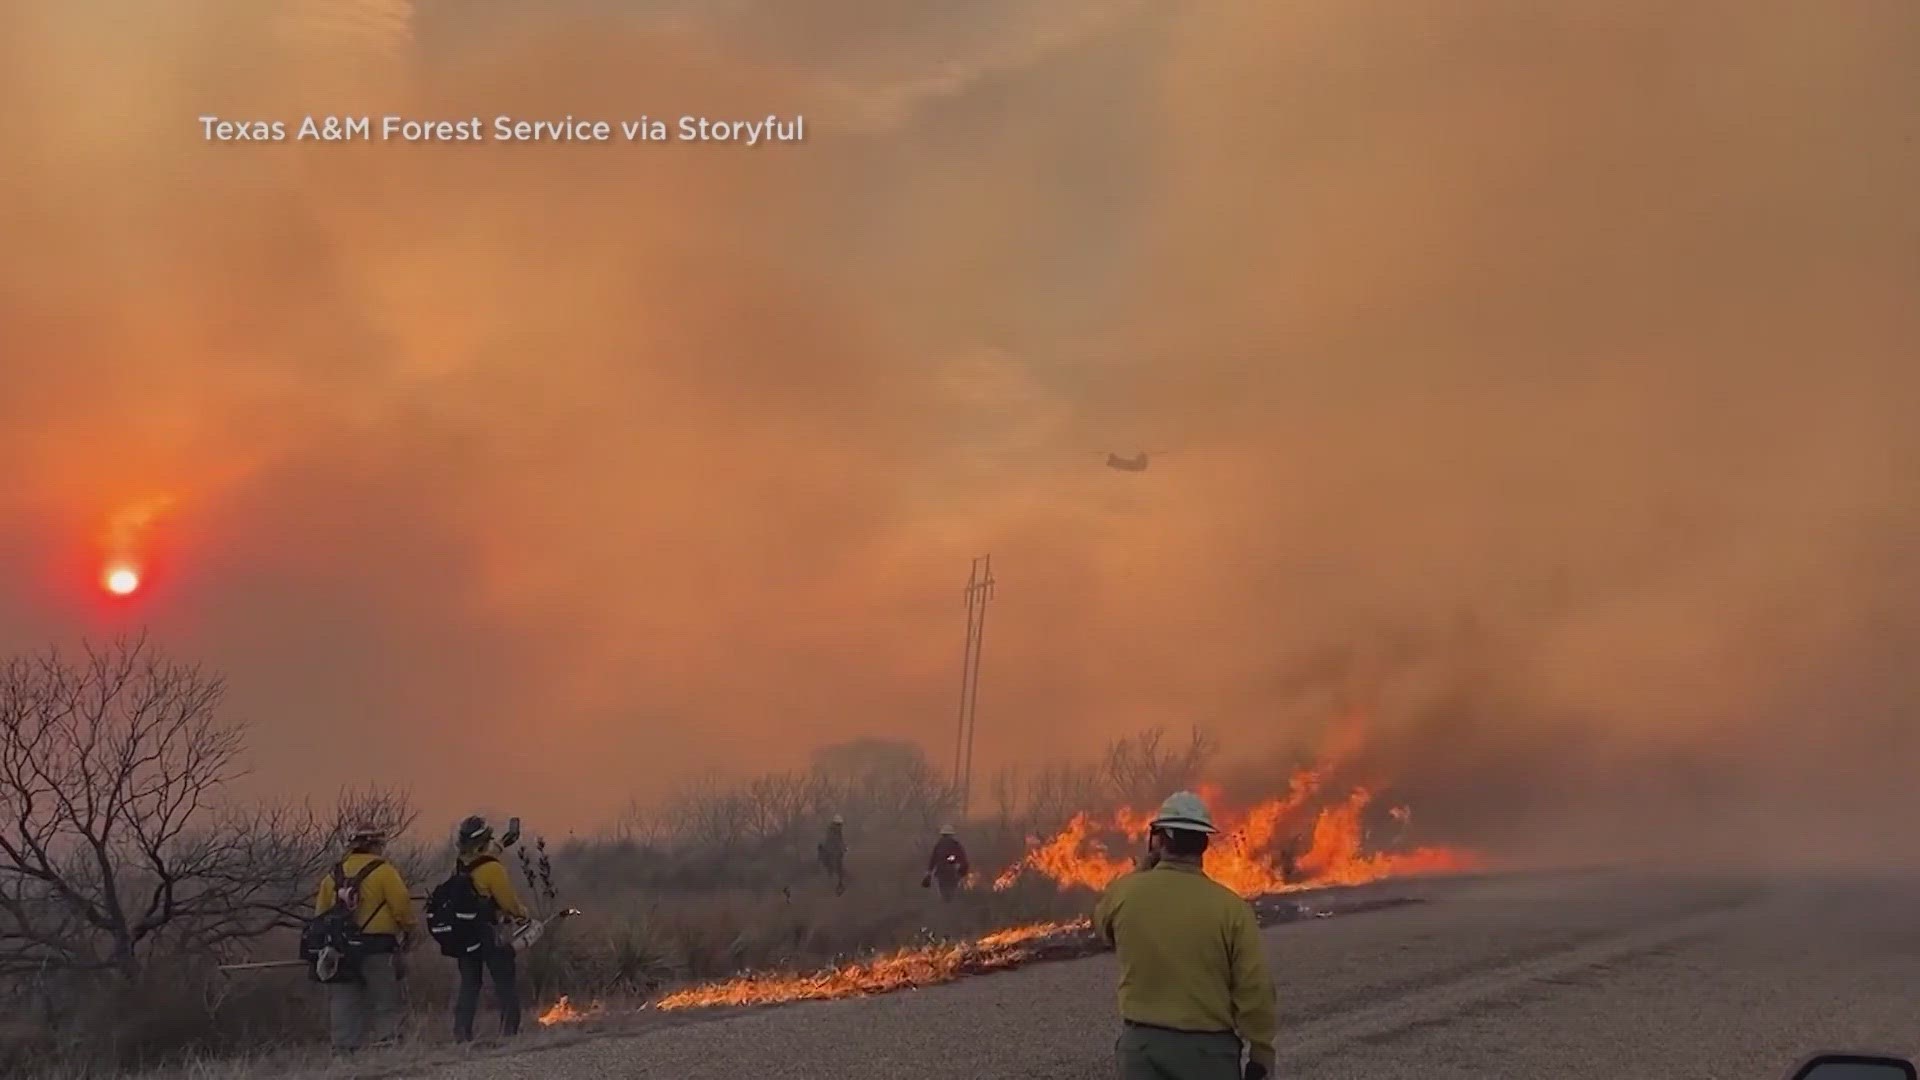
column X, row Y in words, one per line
column 1243, row 858
column 909, row 969
column 1246, row 855
column 563, row 1012
column 902, row 970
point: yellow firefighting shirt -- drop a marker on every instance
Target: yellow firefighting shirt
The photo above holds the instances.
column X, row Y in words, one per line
column 491, row 880
column 1190, row 955
column 384, row 906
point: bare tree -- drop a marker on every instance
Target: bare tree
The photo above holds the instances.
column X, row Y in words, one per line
column 707, row 814
column 1044, row 798
column 114, row 839
column 1057, row 792
column 719, row 830
column 1146, row 767
column 779, row 806
column 279, row 852
column 1004, row 789
column 381, row 808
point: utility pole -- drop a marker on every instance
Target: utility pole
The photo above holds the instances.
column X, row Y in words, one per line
column 979, row 591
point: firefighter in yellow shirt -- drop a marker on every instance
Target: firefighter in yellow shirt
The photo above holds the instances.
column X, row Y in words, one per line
column 368, row 1004
column 479, row 857
column 1193, row 973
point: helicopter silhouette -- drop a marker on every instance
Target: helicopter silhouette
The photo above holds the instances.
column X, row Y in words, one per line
column 1137, row 463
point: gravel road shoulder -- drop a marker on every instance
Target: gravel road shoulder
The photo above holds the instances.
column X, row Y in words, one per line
column 1588, row 975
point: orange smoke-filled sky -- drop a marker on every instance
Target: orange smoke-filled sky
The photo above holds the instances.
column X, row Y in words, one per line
column 544, row 478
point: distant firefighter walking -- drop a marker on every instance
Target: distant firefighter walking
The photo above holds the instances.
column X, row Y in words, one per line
column 833, row 853
column 947, row 866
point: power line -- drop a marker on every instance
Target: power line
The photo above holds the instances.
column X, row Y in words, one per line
column 980, row 585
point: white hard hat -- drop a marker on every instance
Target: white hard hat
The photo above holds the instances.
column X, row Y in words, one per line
column 1184, row 810
column 839, row 819
column 946, row 830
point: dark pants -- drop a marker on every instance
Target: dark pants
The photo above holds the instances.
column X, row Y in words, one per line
column 1149, row 1053
column 506, row 990
column 835, row 864
column 948, row 881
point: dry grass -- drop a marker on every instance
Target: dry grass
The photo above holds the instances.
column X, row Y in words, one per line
column 722, row 881
column 625, row 946
column 426, row 1047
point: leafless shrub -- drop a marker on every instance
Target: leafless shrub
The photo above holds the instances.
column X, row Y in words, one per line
column 380, row 808
column 762, row 831
column 110, row 832
column 1146, row 767
column 116, row 841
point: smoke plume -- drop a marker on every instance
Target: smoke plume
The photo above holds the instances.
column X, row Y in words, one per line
column 1536, row 380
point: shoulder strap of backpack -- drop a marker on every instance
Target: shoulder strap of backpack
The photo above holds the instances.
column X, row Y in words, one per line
column 360, row 878
column 466, row 869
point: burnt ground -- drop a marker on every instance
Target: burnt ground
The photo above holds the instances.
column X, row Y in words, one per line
column 1599, row 974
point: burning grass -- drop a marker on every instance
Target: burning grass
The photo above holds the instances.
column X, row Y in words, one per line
column 910, row 969
column 1254, row 854
column 1306, row 839
column 662, row 937
column 905, row 969
column 564, row 1011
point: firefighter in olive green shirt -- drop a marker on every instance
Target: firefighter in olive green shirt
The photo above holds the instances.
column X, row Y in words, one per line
column 1193, row 976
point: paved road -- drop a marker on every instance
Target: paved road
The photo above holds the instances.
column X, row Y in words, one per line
column 1590, row 976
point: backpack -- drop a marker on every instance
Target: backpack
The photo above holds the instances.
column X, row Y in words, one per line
column 330, row 942
column 459, row 919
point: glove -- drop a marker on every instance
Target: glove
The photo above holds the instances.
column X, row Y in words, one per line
column 1254, row 1071
column 927, row 882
